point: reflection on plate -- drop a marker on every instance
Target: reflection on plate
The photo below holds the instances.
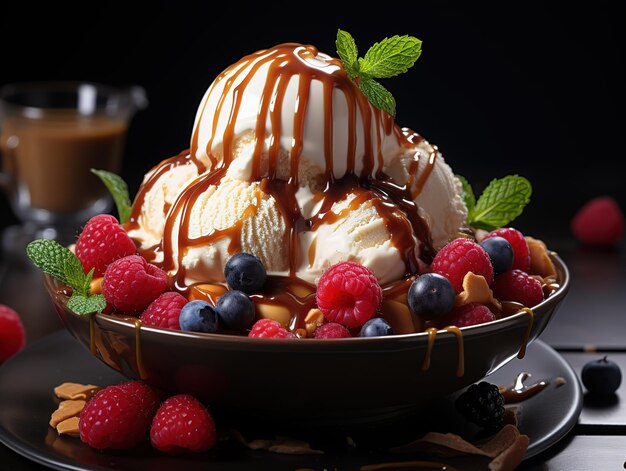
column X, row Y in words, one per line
column 28, row 379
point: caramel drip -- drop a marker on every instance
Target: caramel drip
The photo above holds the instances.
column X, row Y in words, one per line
column 92, row 334
column 281, row 291
column 409, row 464
column 526, row 338
column 419, row 185
column 460, row 369
column 138, row 356
column 394, row 203
column 518, row 392
column 432, row 335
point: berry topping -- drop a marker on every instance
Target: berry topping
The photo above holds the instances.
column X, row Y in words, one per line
column 183, row 424
column 164, row 311
column 376, row 327
column 131, row 283
column 245, row 272
column 599, row 222
column 459, row 257
column 102, row 241
column 269, row 329
column 199, row 316
column 331, row 330
column 483, row 405
column 117, row 417
column 518, row 286
column 500, row 253
column 601, row 377
column 236, row 311
column 348, row 293
column 521, row 253
column 466, row 315
column 430, row 296
column 12, row 333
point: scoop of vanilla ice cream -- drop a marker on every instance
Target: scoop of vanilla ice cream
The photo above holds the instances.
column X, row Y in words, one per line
column 163, row 191
column 243, row 86
column 439, row 200
column 291, row 114
column 240, row 213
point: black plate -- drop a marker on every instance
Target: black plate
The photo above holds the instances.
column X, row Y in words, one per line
column 28, row 379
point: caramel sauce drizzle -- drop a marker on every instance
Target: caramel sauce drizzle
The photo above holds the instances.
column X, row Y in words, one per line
column 394, row 203
column 92, row 333
column 531, row 321
column 460, row 368
column 432, row 335
column 138, row 356
column 519, row 392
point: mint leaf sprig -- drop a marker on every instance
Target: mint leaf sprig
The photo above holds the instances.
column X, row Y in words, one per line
column 501, row 202
column 60, row 262
column 119, row 192
column 387, row 58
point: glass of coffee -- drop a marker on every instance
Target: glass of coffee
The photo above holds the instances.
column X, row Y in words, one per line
column 51, row 135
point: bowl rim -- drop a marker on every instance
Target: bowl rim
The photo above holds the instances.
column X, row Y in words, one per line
column 104, row 320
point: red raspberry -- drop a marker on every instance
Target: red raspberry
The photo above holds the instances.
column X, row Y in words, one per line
column 164, row 311
column 521, row 253
column 332, row 330
column 268, row 328
column 182, row 424
column 148, row 399
column 599, row 222
column 469, row 314
column 131, row 283
column 102, row 240
column 12, row 333
column 115, row 418
column 518, row 286
column 459, row 257
column 349, row 294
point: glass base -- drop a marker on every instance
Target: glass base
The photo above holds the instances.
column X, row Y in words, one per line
column 16, row 238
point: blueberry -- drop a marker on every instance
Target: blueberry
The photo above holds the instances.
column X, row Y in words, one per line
column 500, row 252
column 430, row 296
column 198, row 316
column 601, row 377
column 376, row 327
column 236, row 311
column 245, row 272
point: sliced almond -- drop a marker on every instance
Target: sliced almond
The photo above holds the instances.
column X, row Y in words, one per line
column 66, row 410
column 476, row 290
column 69, row 427
column 540, row 261
column 314, row 318
column 76, row 391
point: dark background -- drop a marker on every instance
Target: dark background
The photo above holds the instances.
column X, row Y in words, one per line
column 501, row 88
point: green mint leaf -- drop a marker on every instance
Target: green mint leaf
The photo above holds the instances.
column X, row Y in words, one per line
column 502, row 201
column 54, row 259
column 378, row 96
column 82, row 305
column 468, row 194
column 75, row 274
column 391, row 57
column 348, row 52
column 119, row 191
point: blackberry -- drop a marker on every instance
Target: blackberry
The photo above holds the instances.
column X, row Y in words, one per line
column 483, row 405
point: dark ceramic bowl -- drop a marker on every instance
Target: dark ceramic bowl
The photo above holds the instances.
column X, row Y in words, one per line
column 306, row 380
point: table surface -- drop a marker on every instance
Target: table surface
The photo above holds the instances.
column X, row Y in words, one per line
column 591, row 322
